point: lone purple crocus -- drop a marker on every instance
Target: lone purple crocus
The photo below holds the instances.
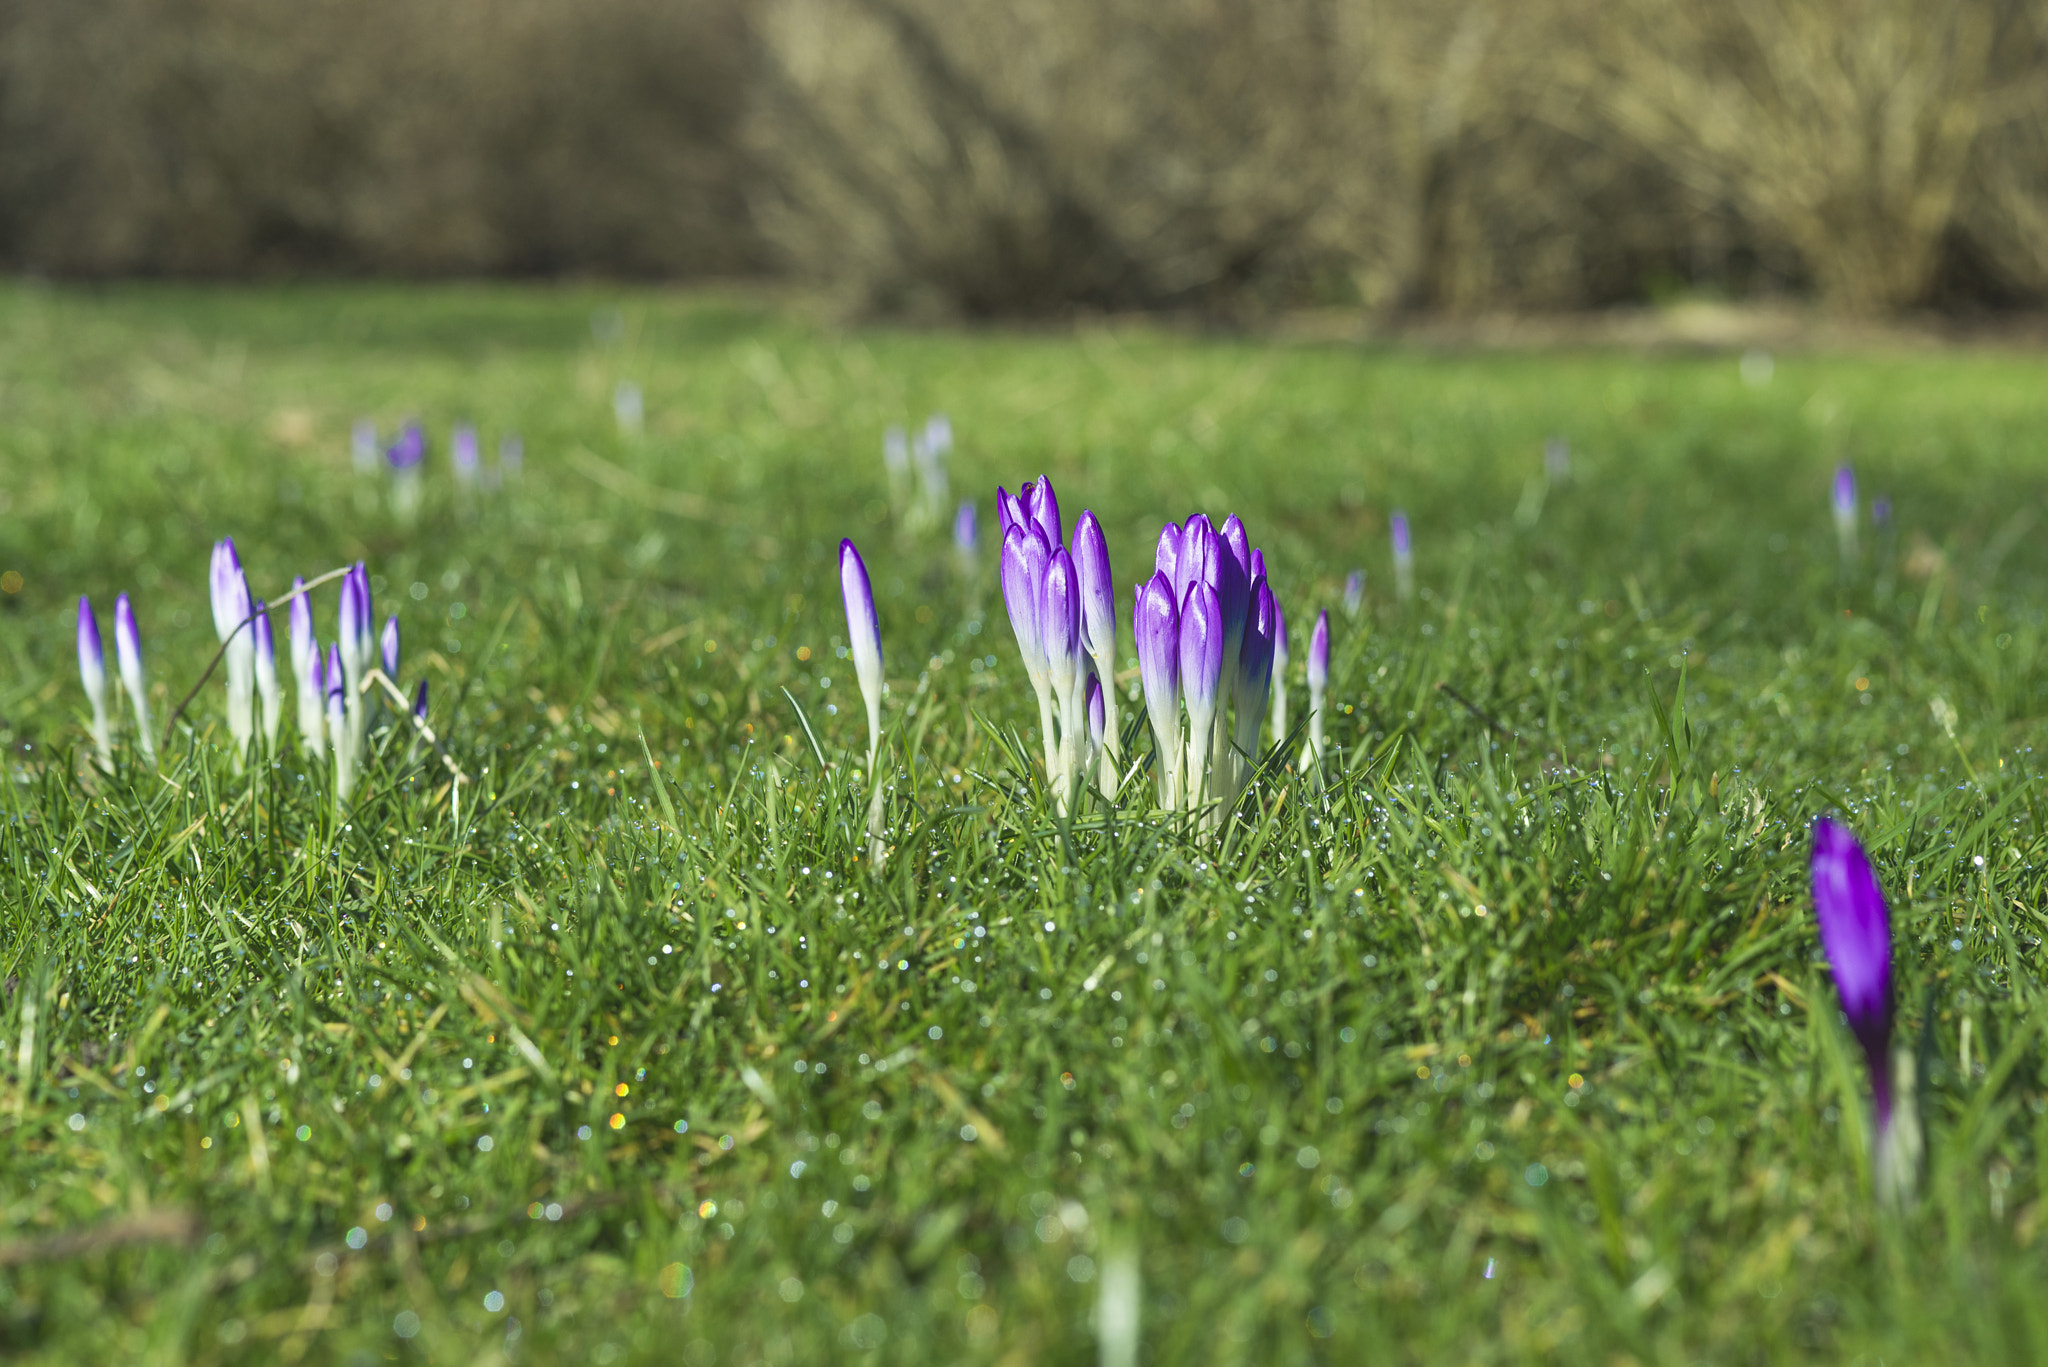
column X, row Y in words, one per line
column 864, row 639
column 1843, row 504
column 92, row 672
column 1855, row 932
column 128, row 655
column 1404, row 556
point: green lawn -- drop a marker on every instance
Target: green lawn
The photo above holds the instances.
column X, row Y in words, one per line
column 1322, row 1107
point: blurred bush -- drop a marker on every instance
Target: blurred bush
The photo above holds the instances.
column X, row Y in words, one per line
column 219, row 137
column 976, row 157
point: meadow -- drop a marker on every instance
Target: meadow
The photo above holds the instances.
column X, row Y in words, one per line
column 1509, row 1043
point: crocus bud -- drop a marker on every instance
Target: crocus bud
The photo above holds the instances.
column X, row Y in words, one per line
column 1254, row 675
column 419, row 701
column 1233, row 585
column 406, row 453
column 1354, row 592
column 1009, row 510
column 1023, row 574
column 1045, row 510
column 1279, row 662
column 339, row 726
column 1201, row 672
column 1257, row 564
column 265, row 649
column 92, row 672
column 1098, row 599
column 389, row 645
column 305, row 657
column 1196, row 563
column 229, row 591
column 1155, row 624
column 864, row 639
column 1095, row 712
column 1059, row 621
column 1855, row 932
column 1318, row 683
column 128, row 656
column 1166, row 555
column 1404, row 556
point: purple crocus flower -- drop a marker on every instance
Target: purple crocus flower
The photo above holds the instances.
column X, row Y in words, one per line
column 419, row 701
column 265, row 650
column 1843, row 504
column 1045, row 510
column 1318, row 683
column 362, row 446
column 966, row 531
column 1059, row 622
column 1233, row 585
column 1009, row 510
column 389, row 646
column 1023, row 575
column 1279, row 660
column 1166, row 556
column 1855, row 932
column 128, row 656
column 864, row 640
column 1201, row 673
column 1095, row 713
column 1156, row 625
column 92, row 672
column 305, row 657
column 1254, row 677
column 1098, row 625
column 340, row 726
column 462, row 449
column 1199, row 551
column 1404, row 556
column 1256, row 567
column 406, row 453
column 229, row 591
column 1354, row 592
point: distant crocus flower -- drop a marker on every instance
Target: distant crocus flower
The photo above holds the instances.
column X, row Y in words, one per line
column 1201, row 673
column 92, row 672
column 1404, row 556
column 1843, row 504
column 628, row 409
column 1279, row 662
column 1881, row 513
column 128, row 656
column 340, row 726
column 1855, row 932
column 305, row 658
column 1354, row 592
column 1156, row 625
column 362, row 446
column 938, row 434
column 231, row 610
column 266, row 676
column 1557, row 459
column 930, row 449
column 388, row 644
column 1098, row 627
column 864, row 639
column 406, row 457
column 463, row 450
column 1318, row 683
column 966, row 530
column 896, row 453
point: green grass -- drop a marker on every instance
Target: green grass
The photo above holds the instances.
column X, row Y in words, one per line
column 1311, row 1091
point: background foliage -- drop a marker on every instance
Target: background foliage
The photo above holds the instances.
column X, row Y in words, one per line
column 1224, row 156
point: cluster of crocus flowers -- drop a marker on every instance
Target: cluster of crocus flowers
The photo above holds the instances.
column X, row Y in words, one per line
column 1855, row 933
column 1062, row 607
column 334, row 712
column 1206, row 624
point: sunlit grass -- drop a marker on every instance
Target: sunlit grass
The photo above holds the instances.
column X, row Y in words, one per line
column 1510, row 1045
